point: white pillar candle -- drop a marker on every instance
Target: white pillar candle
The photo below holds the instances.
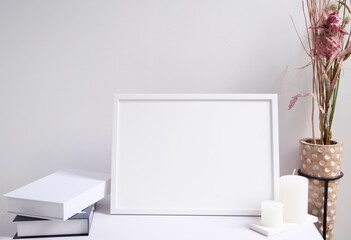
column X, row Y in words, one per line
column 293, row 193
column 271, row 213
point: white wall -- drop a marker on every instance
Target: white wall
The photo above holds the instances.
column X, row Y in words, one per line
column 61, row 61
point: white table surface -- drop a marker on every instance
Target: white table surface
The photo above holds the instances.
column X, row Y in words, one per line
column 128, row 227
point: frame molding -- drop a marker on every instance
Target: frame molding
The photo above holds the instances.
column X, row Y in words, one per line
column 120, row 98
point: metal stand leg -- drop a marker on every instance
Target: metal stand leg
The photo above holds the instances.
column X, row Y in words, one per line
column 326, row 185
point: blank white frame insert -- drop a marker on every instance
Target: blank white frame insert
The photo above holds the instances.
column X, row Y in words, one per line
column 194, row 154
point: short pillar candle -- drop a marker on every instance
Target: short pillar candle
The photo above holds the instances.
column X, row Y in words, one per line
column 271, row 213
column 293, row 193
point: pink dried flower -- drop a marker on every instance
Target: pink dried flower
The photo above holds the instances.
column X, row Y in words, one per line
column 331, row 34
column 328, row 49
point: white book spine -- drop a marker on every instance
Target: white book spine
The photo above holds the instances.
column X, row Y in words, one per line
column 86, row 199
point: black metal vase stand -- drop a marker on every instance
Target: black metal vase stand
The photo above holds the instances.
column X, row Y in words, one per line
column 326, row 184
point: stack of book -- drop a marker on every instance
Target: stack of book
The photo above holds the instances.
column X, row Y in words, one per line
column 61, row 204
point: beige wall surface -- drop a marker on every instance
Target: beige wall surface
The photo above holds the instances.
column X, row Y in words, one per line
column 62, row 60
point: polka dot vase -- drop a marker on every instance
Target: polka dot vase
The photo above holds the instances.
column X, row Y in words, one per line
column 321, row 161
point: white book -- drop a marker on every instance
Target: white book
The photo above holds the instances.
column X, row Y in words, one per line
column 60, row 195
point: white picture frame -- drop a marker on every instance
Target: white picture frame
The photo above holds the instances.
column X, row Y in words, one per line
column 194, row 154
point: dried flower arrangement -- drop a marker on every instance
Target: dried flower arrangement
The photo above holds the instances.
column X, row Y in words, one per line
column 328, row 47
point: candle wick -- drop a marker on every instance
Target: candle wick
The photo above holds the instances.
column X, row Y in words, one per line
column 294, row 172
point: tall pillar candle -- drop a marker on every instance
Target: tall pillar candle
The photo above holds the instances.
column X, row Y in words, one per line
column 271, row 213
column 293, row 193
